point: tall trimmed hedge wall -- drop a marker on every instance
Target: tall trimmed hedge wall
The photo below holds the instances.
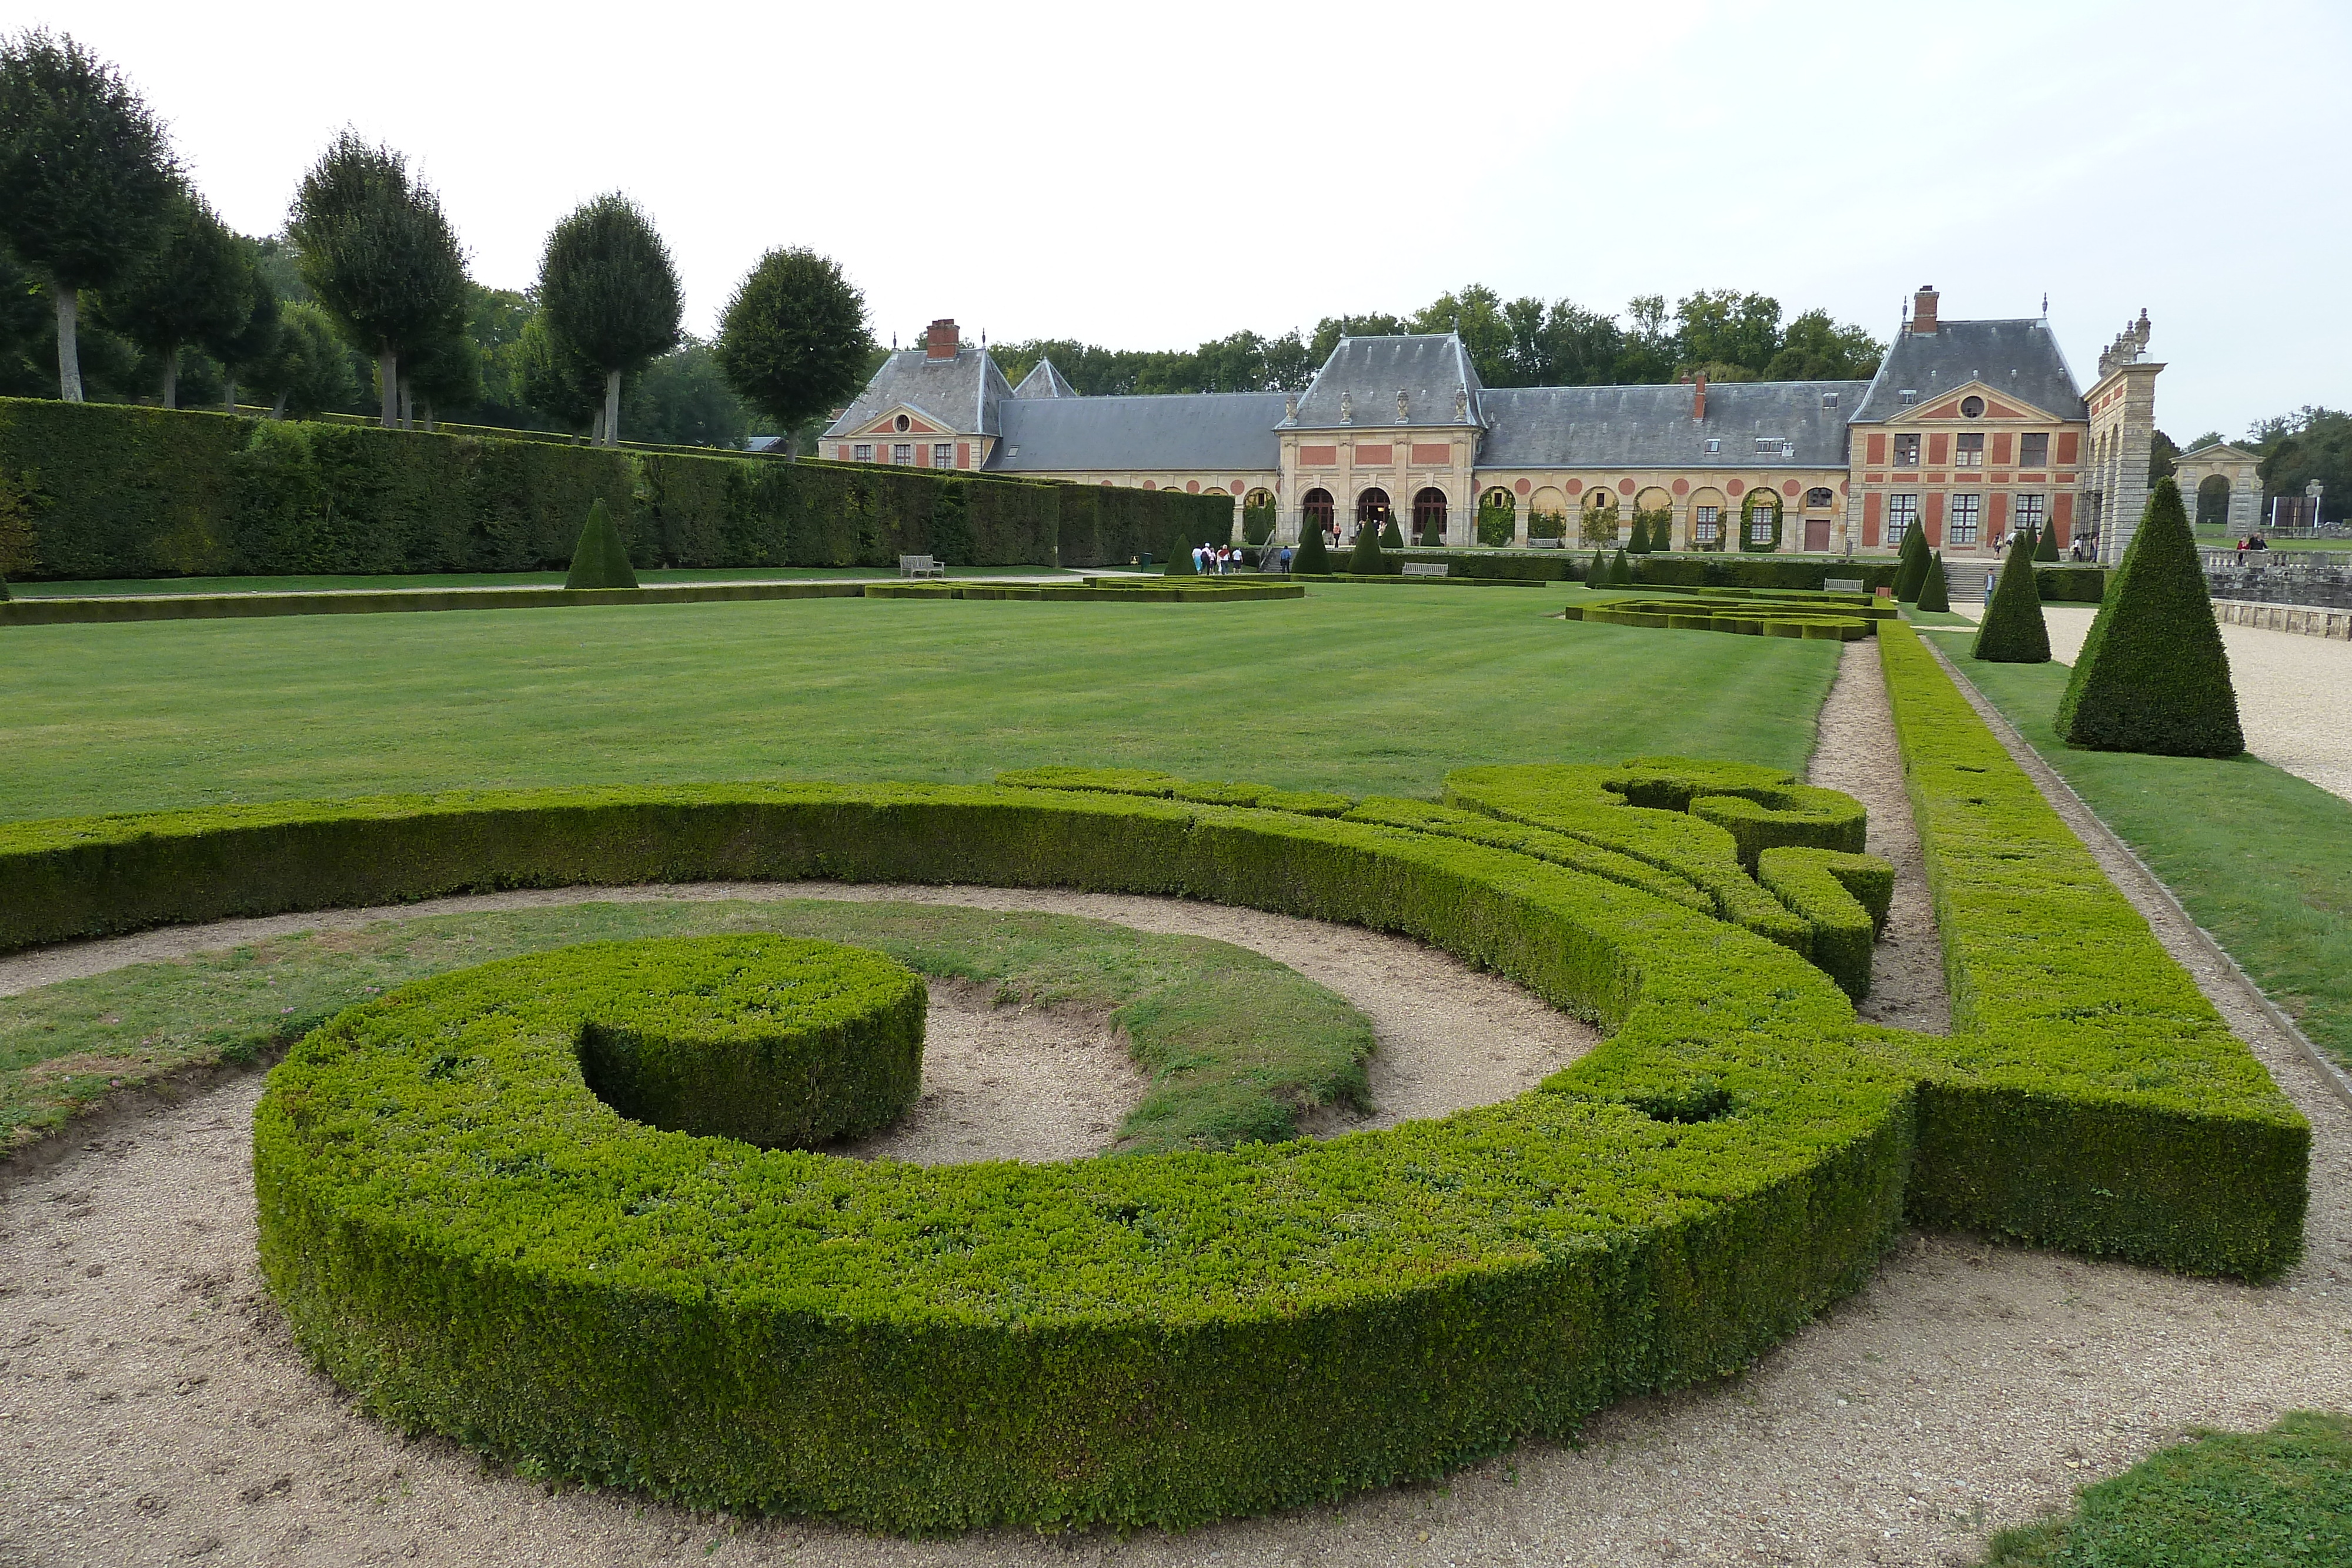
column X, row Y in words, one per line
column 1729, row 570
column 123, row 492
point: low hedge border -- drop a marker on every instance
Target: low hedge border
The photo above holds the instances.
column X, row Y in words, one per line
column 1161, row 1339
column 1818, row 886
column 1157, row 591
column 2079, row 1048
column 242, row 606
column 1748, row 618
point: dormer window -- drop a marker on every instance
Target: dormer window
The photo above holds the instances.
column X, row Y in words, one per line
column 1713, row 445
column 1906, row 397
column 1768, row 445
column 1828, row 399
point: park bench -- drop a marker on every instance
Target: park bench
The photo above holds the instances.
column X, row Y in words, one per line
column 1424, row 569
column 1842, row 585
column 920, row 566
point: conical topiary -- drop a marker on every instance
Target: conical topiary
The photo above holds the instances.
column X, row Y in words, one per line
column 1911, row 568
column 1390, row 538
column 1312, row 558
column 1365, row 560
column 1179, row 556
column 2047, row 547
column 1639, row 544
column 1620, row 570
column 1597, row 574
column 2014, row 632
column 1932, row 594
column 4, row 588
column 599, row 559
column 2153, row 675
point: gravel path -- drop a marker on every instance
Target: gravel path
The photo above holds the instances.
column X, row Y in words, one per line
column 153, row 1408
column 2294, row 693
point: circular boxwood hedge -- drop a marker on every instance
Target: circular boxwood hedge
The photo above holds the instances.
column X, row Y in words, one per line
column 781, row 1044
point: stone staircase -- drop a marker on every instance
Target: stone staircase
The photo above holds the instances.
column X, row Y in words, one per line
column 1964, row 580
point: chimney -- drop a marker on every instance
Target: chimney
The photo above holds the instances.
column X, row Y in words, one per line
column 1698, row 396
column 941, row 341
column 1923, row 310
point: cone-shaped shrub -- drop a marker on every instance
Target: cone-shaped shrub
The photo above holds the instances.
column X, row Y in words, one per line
column 4, row 588
column 1365, row 560
column 1179, row 556
column 1390, row 538
column 2047, row 549
column 1911, row 566
column 2014, row 632
column 1639, row 544
column 1597, row 574
column 1933, row 595
column 1620, row 570
column 599, row 559
column 1312, row 556
column 2153, row 675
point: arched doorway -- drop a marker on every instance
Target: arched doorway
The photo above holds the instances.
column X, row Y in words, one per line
column 1372, row 509
column 1497, row 517
column 1429, row 517
column 2213, row 502
column 1316, row 512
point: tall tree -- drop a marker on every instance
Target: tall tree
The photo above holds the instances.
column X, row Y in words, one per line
column 379, row 255
column 443, row 374
column 86, row 177
column 1725, row 327
column 551, row 378
column 251, row 340
column 308, row 370
column 610, row 292
column 793, row 341
column 194, row 287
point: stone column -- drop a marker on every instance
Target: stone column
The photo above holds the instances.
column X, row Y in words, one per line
column 2245, row 501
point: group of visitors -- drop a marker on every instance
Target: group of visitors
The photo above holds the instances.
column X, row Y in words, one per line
column 1216, row 560
column 2251, row 541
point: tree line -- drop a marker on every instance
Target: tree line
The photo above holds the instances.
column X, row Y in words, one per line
column 112, row 262
column 1726, row 334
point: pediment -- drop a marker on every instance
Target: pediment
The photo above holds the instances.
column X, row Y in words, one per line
column 2217, row 451
column 918, row 422
column 1946, row 407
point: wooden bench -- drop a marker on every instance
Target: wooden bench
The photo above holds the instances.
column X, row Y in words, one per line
column 920, row 566
column 1842, row 585
column 1424, row 569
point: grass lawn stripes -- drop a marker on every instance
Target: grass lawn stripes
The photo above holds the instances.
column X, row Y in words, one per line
column 1152, row 1338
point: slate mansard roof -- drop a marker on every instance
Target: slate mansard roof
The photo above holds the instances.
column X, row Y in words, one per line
column 961, row 394
column 1652, row 427
column 1230, row 430
column 1429, row 368
column 2019, row 357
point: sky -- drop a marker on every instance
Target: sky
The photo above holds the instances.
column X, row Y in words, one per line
column 1152, row 177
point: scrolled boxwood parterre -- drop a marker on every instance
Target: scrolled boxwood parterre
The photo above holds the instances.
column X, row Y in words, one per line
column 1161, row 1339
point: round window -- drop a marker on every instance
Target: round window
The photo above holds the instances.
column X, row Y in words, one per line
column 903, row 421
column 1970, row 408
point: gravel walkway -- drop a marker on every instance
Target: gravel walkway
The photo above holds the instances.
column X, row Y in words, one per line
column 152, row 1408
column 2294, row 693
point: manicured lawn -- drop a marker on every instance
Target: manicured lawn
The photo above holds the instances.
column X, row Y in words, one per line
column 146, row 586
column 1364, row 690
column 2224, row 1500
column 2259, row 858
column 1235, row 1042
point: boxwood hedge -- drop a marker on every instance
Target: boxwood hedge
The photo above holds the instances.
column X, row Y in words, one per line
column 1159, row 1339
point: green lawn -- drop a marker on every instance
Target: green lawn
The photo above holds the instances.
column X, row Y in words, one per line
column 1365, row 690
column 2259, row 858
column 2225, row 1501
column 142, row 587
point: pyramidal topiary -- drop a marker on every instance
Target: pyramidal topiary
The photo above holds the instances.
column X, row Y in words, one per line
column 1390, row 538
column 1932, row 594
column 1911, row 565
column 1620, row 570
column 2153, row 675
column 1179, row 556
column 1639, row 544
column 1312, row 556
column 599, row 559
column 1365, row 560
column 1597, row 574
column 2047, row 549
column 2014, row 632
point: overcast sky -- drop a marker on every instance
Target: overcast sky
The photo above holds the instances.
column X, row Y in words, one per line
column 1154, row 176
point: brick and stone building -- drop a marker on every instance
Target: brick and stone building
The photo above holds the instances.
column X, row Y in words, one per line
column 1968, row 431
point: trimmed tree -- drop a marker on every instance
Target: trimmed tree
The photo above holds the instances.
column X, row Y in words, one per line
column 379, row 255
column 1180, row 547
column 86, row 177
column 1597, row 574
column 251, row 341
column 1621, row 569
column 1390, row 538
column 599, row 559
column 610, row 292
column 307, row 370
column 2153, row 675
column 194, row 287
column 2046, row 547
column 793, row 342
column 1312, row 556
column 1932, row 594
column 2014, row 632
column 1639, row 544
column 1911, row 565
column 1365, row 560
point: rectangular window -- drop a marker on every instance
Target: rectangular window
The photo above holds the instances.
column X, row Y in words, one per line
column 1902, row 516
column 1906, row 451
column 1704, row 526
column 1759, row 526
column 1970, row 452
column 943, row 455
column 2033, row 449
column 1906, row 397
column 1713, row 445
column 1967, row 512
column 862, row 453
column 1767, row 445
column 903, row 453
column 2029, row 514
